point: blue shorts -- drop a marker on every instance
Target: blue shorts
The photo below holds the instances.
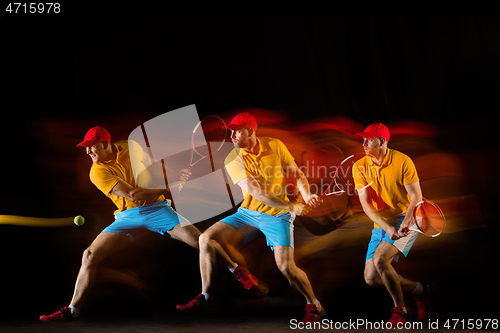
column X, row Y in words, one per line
column 158, row 217
column 403, row 244
column 277, row 229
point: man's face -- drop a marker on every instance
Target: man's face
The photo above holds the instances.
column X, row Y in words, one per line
column 372, row 146
column 240, row 138
column 97, row 152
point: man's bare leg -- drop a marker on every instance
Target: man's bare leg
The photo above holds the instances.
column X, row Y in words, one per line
column 298, row 279
column 372, row 278
column 211, row 252
column 102, row 246
column 187, row 234
column 284, row 256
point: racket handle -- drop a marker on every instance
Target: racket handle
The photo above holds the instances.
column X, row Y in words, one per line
column 406, row 229
column 332, row 193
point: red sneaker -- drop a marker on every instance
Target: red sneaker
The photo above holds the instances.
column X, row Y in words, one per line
column 249, row 281
column 313, row 315
column 194, row 306
column 423, row 300
column 63, row 314
column 244, row 276
column 398, row 316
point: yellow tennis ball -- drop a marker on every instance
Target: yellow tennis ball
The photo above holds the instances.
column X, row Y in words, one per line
column 79, row 220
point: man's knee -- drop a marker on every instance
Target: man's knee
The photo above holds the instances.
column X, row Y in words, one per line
column 222, row 234
column 380, row 263
column 204, row 241
column 104, row 245
column 287, row 268
column 371, row 275
column 372, row 280
column 90, row 258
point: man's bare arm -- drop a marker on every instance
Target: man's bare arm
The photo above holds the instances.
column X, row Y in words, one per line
column 376, row 217
column 415, row 193
column 127, row 191
column 302, row 185
column 252, row 186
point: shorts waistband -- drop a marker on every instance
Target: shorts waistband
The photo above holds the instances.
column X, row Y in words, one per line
column 139, row 208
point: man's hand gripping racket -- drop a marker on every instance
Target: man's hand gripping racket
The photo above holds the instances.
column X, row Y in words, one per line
column 427, row 219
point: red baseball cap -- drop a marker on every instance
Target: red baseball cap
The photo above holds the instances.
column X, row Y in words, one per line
column 376, row 130
column 242, row 120
column 94, row 135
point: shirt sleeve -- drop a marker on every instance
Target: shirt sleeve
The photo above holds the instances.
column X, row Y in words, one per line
column 235, row 166
column 286, row 157
column 409, row 172
column 148, row 172
column 358, row 174
column 103, row 179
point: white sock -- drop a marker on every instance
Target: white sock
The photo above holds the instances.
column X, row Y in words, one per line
column 232, row 269
column 206, row 295
column 418, row 289
column 74, row 311
column 317, row 303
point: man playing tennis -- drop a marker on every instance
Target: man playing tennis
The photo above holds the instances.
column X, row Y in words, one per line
column 388, row 202
column 137, row 208
column 258, row 165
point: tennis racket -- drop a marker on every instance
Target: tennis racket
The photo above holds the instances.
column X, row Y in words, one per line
column 208, row 138
column 343, row 180
column 427, row 219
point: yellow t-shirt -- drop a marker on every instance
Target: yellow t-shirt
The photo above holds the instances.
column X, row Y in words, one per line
column 387, row 193
column 266, row 167
column 106, row 175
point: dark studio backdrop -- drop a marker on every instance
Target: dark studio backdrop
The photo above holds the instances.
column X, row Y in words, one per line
column 62, row 75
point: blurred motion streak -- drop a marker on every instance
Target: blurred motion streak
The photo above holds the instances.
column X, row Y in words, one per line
column 330, row 242
column 320, row 146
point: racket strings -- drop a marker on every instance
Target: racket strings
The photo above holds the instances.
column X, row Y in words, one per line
column 429, row 219
column 344, row 179
column 209, row 136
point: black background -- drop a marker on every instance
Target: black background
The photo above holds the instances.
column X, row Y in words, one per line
column 63, row 74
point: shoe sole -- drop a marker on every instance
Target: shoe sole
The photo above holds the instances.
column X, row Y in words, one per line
column 259, row 289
